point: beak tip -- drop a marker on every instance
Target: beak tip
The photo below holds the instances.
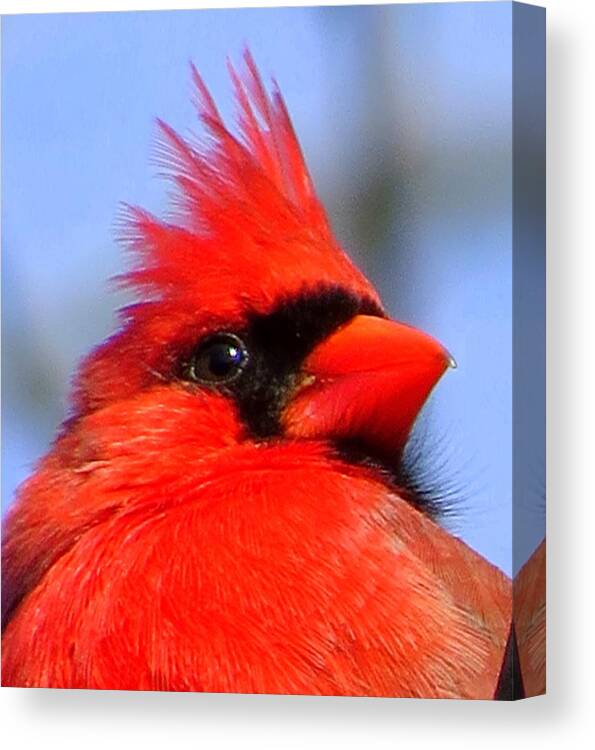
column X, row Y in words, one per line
column 451, row 361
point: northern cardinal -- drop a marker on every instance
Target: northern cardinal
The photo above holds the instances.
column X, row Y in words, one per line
column 226, row 507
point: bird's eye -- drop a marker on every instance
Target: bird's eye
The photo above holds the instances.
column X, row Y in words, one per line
column 219, row 359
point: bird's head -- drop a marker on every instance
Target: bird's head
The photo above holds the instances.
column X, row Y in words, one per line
column 252, row 324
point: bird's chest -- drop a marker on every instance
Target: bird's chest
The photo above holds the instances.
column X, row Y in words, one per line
column 282, row 582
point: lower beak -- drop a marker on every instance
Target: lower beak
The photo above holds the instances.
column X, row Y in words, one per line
column 367, row 383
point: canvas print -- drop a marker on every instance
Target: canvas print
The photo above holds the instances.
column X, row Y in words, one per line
column 273, row 351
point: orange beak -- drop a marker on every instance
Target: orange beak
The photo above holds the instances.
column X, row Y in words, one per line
column 367, row 383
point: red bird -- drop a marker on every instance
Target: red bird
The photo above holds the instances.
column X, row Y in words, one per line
column 226, row 509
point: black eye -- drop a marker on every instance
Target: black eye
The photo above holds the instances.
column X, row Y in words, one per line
column 219, row 359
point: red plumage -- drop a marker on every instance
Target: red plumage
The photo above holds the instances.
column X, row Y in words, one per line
column 529, row 594
column 165, row 542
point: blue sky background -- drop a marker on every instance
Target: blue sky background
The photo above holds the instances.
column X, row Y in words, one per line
column 405, row 116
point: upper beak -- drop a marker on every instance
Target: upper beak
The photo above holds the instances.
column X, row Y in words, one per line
column 367, row 382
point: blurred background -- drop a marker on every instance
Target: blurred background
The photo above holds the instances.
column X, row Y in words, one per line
column 405, row 117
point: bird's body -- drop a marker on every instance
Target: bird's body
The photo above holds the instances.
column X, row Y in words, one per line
column 202, row 521
column 339, row 588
